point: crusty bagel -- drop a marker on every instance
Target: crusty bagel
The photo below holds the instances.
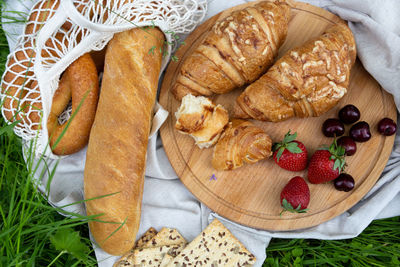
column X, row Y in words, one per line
column 79, row 83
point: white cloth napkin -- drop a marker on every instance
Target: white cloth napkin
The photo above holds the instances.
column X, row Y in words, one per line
column 166, row 202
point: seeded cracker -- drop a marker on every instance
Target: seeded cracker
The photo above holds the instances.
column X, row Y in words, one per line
column 146, row 237
column 215, row 246
column 152, row 257
column 127, row 260
column 166, row 236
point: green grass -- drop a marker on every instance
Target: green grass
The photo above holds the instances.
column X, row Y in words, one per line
column 32, row 233
column 378, row 245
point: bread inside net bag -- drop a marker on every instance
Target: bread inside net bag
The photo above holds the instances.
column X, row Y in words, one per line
column 58, row 32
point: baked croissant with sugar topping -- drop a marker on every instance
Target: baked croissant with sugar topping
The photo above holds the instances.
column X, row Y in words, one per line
column 242, row 142
column 236, row 51
column 306, row 81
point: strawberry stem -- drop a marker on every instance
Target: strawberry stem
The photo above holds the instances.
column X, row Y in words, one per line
column 337, row 153
column 288, row 207
column 287, row 143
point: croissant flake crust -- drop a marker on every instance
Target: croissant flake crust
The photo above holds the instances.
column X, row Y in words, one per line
column 236, row 51
column 242, row 142
column 307, row 81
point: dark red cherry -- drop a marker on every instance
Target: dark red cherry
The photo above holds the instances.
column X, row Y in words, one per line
column 344, row 182
column 349, row 145
column 360, row 132
column 349, row 114
column 332, row 127
column 387, row 127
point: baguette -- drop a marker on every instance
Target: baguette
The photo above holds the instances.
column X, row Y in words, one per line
column 116, row 155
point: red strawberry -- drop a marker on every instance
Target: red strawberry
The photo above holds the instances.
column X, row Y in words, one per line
column 295, row 196
column 290, row 154
column 326, row 164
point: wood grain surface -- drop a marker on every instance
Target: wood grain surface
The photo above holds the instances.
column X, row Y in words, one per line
column 250, row 194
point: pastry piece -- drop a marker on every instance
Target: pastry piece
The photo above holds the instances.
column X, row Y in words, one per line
column 236, row 51
column 242, row 142
column 215, row 246
column 201, row 119
column 306, row 81
column 116, row 155
column 166, row 236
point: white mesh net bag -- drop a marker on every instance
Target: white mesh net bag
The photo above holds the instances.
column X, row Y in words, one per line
column 60, row 31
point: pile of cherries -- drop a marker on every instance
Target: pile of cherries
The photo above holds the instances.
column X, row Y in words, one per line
column 359, row 132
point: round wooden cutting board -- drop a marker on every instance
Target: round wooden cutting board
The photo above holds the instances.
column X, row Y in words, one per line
column 250, row 195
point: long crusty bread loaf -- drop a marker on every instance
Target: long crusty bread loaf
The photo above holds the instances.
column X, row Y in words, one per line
column 116, row 155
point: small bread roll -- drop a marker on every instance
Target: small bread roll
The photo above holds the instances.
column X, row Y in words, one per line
column 201, row 119
column 241, row 142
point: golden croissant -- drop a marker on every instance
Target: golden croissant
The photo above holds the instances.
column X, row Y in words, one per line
column 306, row 81
column 241, row 142
column 236, row 51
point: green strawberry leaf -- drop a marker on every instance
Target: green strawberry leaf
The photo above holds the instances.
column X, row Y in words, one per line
column 288, row 207
column 276, row 146
column 286, row 204
column 337, row 155
column 279, row 154
column 69, row 241
column 287, row 143
column 336, row 165
column 332, row 150
column 299, row 210
column 342, row 166
column 295, row 150
column 341, row 151
column 289, row 137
